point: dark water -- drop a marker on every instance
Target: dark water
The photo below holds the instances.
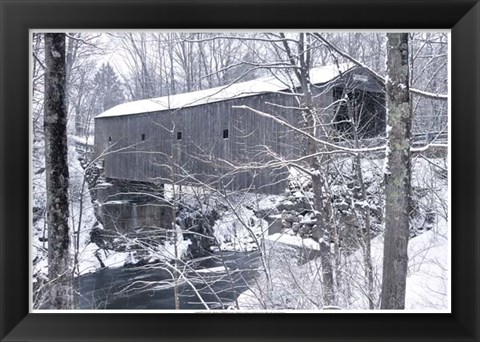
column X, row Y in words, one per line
column 151, row 286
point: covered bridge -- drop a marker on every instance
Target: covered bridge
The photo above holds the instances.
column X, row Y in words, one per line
column 200, row 137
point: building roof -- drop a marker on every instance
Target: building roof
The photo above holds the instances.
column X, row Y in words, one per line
column 262, row 85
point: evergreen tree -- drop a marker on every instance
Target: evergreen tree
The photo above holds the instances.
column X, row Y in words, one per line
column 108, row 89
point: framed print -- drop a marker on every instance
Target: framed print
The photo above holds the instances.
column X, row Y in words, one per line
column 251, row 171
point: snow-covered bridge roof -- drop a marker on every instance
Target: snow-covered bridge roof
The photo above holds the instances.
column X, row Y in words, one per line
column 258, row 86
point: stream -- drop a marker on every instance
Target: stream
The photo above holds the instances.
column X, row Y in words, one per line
column 151, row 286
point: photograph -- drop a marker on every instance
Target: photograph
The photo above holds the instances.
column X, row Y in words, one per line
column 240, row 171
column 248, row 171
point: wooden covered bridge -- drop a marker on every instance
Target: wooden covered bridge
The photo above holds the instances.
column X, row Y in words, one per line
column 203, row 137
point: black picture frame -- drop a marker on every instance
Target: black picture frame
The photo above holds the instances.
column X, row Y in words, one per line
column 18, row 16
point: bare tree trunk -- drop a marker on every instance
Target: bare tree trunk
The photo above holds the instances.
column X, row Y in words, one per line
column 55, row 127
column 321, row 235
column 321, row 231
column 365, row 212
column 397, row 174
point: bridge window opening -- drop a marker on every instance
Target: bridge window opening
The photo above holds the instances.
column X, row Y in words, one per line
column 225, row 134
column 143, row 137
column 109, row 140
column 179, row 135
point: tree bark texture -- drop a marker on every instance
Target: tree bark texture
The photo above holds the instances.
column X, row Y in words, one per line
column 55, row 126
column 397, row 174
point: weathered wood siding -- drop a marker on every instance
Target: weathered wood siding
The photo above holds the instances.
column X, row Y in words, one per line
column 200, row 155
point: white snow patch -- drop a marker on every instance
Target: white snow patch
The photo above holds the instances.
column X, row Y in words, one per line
column 219, row 269
column 56, row 54
column 294, row 241
column 238, row 230
column 388, row 129
column 116, row 259
column 116, row 202
column 85, row 140
column 104, row 184
column 427, row 280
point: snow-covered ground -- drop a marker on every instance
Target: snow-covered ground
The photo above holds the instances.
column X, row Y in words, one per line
column 297, row 287
column 287, row 285
column 428, row 272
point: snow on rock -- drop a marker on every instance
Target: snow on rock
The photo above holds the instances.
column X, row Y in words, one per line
column 293, row 240
column 104, row 184
column 268, row 202
column 298, row 179
column 167, row 251
column 238, row 230
column 218, row 269
column 116, row 259
column 299, row 194
column 87, row 262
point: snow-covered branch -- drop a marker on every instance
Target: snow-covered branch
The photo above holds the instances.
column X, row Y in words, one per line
column 380, row 77
column 309, row 136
